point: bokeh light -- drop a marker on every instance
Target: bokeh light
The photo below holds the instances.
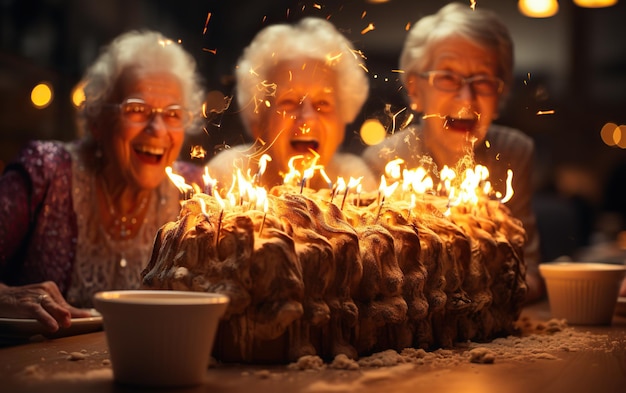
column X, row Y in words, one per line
column 595, row 3
column 372, row 132
column 622, row 136
column 78, row 94
column 538, row 8
column 41, row 95
column 614, row 135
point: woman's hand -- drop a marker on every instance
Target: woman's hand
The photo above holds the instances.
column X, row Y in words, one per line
column 42, row 302
column 622, row 290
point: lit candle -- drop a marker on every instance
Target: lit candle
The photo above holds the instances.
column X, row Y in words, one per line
column 179, row 182
column 339, row 187
column 411, row 207
column 209, row 182
column 325, row 176
column 219, row 228
column 351, row 184
column 292, row 176
column 264, row 215
column 384, row 191
column 380, row 207
column 265, row 158
column 308, row 173
column 219, row 220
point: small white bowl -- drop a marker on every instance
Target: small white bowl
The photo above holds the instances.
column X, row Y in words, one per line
column 160, row 338
column 583, row 293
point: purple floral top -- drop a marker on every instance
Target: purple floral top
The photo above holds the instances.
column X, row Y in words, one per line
column 50, row 228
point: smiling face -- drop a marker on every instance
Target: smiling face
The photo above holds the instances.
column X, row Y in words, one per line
column 454, row 121
column 139, row 153
column 303, row 114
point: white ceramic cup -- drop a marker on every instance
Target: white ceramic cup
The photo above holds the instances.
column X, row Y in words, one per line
column 160, row 338
column 583, row 293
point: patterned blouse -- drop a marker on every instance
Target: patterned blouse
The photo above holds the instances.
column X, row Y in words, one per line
column 50, row 227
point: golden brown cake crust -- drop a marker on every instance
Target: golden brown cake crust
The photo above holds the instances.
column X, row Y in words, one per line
column 309, row 278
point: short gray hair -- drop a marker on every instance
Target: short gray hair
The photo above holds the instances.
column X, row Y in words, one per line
column 148, row 51
column 482, row 27
column 311, row 38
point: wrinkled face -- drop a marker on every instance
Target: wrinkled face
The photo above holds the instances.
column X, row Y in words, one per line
column 455, row 120
column 140, row 151
column 303, row 114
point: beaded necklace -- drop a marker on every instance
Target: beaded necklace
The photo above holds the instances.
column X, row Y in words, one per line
column 126, row 222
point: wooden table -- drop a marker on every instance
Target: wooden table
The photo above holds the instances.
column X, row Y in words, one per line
column 43, row 366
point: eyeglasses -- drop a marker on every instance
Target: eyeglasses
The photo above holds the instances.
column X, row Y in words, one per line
column 137, row 111
column 483, row 85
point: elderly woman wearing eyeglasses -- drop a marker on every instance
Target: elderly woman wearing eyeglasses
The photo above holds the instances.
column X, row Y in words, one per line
column 81, row 216
column 298, row 87
column 457, row 66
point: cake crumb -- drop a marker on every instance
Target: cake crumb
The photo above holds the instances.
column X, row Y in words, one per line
column 32, row 371
column 534, row 340
column 307, row 362
column 482, row 355
column 382, row 359
column 263, row 374
column 77, row 356
column 343, row 362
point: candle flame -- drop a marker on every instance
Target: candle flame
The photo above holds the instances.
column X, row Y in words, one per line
column 219, row 200
column 197, row 151
column 341, row 185
column 509, row 187
column 178, row 180
column 465, row 185
column 265, row 158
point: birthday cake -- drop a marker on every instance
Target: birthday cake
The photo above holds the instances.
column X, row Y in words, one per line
column 307, row 275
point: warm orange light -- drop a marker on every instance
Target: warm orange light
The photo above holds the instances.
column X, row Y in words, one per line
column 372, row 132
column 78, row 94
column 610, row 134
column 538, row 8
column 41, row 95
column 620, row 136
column 595, row 3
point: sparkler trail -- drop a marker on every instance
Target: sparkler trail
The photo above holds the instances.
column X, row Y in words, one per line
column 208, row 17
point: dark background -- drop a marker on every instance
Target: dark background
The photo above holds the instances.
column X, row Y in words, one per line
column 573, row 63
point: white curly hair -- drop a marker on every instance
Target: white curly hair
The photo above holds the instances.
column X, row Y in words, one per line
column 311, row 38
column 148, row 51
column 481, row 27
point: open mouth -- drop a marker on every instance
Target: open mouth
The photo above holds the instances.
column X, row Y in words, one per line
column 304, row 146
column 456, row 124
column 148, row 154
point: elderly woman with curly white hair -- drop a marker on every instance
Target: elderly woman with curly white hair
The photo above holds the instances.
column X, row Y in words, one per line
column 457, row 71
column 297, row 86
column 80, row 217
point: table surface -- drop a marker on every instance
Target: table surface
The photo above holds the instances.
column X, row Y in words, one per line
column 576, row 359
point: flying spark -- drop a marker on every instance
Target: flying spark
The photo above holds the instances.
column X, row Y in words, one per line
column 208, row 17
column 369, row 28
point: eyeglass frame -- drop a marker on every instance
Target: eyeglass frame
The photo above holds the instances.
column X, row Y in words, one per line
column 152, row 112
column 431, row 75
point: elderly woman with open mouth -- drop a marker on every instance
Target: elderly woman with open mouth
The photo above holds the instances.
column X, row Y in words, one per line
column 81, row 216
column 298, row 86
column 458, row 69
